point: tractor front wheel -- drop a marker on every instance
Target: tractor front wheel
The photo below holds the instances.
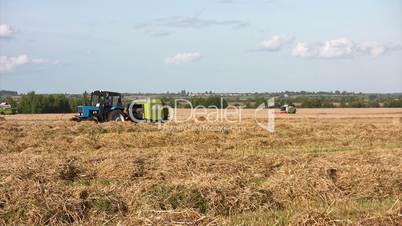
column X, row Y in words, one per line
column 116, row 116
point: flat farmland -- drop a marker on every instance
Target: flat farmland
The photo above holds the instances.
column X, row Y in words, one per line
column 183, row 114
column 319, row 167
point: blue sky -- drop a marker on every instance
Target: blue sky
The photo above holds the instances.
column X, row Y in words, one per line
column 218, row 45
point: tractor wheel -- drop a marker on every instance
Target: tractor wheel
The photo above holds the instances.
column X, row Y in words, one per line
column 116, row 116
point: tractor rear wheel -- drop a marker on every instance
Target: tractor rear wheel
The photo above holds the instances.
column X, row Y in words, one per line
column 116, row 116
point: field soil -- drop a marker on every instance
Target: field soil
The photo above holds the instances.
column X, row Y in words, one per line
column 319, row 167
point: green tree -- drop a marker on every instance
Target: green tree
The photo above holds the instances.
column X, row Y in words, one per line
column 311, row 103
column 373, row 103
column 33, row 103
column 85, row 98
column 9, row 100
column 393, row 103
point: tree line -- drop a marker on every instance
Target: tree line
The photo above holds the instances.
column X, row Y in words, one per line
column 355, row 101
column 216, row 101
column 61, row 103
column 32, row 103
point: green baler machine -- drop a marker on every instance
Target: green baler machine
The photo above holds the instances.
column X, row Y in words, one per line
column 150, row 109
column 8, row 111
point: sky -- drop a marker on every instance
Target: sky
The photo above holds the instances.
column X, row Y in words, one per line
column 200, row 45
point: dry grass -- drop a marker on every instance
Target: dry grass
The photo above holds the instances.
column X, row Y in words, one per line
column 337, row 170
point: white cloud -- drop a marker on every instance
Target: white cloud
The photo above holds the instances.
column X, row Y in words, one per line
column 44, row 61
column 157, row 33
column 276, row 42
column 8, row 64
column 341, row 48
column 302, row 50
column 183, row 58
column 337, row 48
column 190, row 22
column 373, row 48
column 6, row 31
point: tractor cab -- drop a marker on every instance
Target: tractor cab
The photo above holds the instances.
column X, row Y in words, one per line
column 104, row 106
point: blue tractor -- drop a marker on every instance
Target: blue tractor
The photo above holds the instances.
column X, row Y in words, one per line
column 104, row 106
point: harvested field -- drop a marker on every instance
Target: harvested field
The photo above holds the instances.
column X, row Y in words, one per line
column 319, row 167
